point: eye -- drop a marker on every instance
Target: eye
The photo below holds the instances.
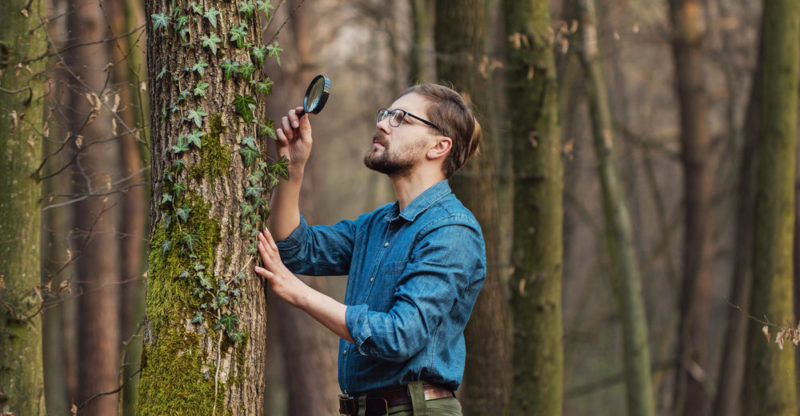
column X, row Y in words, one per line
column 397, row 117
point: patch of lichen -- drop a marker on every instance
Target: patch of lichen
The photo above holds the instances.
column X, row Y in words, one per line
column 174, row 356
column 215, row 157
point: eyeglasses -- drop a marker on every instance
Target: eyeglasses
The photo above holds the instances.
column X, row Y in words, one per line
column 397, row 116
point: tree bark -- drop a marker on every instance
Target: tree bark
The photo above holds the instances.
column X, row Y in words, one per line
column 691, row 395
column 22, row 42
column 771, row 386
column 625, row 277
column 462, row 37
column 206, row 309
column 423, row 60
column 537, row 252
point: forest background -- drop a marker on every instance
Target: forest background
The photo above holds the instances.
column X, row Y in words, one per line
column 636, row 187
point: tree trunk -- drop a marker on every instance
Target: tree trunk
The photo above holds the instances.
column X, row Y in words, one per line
column 691, row 395
column 625, row 278
column 423, row 60
column 206, row 309
column 731, row 368
column 538, row 187
column 461, row 37
column 22, row 40
column 771, row 386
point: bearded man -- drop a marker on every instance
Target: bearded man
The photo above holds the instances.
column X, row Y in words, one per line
column 415, row 266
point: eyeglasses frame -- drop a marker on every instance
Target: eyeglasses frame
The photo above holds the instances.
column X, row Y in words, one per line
column 405, row 113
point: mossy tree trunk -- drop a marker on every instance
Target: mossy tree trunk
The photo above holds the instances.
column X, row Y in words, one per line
column 206, row 309
column 770, row 372
column 625, row 277
column 461, row 39
column 691, row 395
column 537, row 251
column 22, row 40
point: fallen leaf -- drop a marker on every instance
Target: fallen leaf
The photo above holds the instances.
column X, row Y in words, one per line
column 765, row 330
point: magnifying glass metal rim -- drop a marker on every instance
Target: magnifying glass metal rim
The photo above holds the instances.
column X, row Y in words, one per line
column 323, row 97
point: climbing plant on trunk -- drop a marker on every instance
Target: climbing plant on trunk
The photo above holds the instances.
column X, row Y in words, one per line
column 206, row 309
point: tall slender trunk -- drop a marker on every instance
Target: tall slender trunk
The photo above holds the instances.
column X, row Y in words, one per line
column 625, row 277
column 22, row 40
column 537, row 248
column 732, row 365
column 423, row 59
column 691, row 395
column 462, row 39
column 93, row 172
column 771, row 386
column 206, row 309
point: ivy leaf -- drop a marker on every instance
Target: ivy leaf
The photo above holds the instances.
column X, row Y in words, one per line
column 211, row 42
column 250, row 142
column 274, row 51
column 183, row 213
column 159, row 20
column 198, row 318
column 190, row 240
column 264, row 87
column 245, row 104
column 264, row 6
column 199, row 67
column 255, row 191
column 178, row 164
column 195, row 138
column 264, row 129
column 249, row 155
column 238, row 34
column 247, row 8
column 259, row 53
column 230, row 68
column 181, row 24
column 197, row 116
column 247, row 209
column 205, row 282
column 196, row 8
column 200, row 89
column 228, row 321
column 162, row 73
column 247, row 70
column 183, row 274
column 166, row 198
column 166, row 246
column 211, row 15
column 281, row 167
column 177, row 189
column 180, row 147
column 167, row 221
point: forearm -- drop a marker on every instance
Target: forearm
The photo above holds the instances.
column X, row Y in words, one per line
column 325, row 310
column 285, row 205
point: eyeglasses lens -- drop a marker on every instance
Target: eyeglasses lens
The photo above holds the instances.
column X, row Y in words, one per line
column 397, row 118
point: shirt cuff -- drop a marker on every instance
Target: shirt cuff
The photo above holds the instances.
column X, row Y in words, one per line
column 355, row 318
column 294, row 241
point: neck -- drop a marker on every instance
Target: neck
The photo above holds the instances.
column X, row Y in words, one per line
column 409, row 185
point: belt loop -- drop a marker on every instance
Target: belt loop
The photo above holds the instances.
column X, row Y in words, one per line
column 362, row 405
column 417, row 393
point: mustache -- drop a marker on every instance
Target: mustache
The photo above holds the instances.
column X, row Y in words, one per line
column 377, row 138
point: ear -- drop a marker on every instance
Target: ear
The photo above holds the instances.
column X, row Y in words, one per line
column 441, row 148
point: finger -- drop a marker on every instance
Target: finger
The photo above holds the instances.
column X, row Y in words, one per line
column 262, row 250
column 264, row 273
column 293, row 118
column 282, row 140
column 287, row 129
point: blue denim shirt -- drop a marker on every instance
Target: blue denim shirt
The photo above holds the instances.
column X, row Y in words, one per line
column 413, row 280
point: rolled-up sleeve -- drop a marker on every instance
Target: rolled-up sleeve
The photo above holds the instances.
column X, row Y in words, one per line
column 320, row 249
column 446, row 261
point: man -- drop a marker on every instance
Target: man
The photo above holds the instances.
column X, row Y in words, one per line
column 414, row 266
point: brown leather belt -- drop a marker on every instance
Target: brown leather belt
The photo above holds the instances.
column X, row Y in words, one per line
column 378, row 402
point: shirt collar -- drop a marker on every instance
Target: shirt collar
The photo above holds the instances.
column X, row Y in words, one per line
column 422, row 202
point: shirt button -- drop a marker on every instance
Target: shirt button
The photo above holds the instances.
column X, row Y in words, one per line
column 386, row 244
column 344, row 352
column 371, row 279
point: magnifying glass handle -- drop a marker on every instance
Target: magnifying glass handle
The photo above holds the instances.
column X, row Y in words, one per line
column 300, row 114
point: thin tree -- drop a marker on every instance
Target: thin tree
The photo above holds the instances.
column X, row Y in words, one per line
column 537, row 250
column 770, row 388
column 625, row 277
column 22, row 44
column 461, row 40
column 691, row 395
column 206, row 309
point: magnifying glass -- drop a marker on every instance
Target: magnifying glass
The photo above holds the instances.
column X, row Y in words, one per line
column 316, row 95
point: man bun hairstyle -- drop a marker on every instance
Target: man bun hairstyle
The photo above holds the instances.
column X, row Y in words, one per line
column 452, row 114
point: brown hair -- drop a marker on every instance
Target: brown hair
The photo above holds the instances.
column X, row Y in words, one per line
column 452, row 115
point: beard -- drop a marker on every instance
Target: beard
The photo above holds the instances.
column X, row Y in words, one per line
column 390, row 163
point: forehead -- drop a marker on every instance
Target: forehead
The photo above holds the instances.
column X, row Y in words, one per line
column 412, row 102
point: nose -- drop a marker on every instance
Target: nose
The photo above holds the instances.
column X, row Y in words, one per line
column 384, row 125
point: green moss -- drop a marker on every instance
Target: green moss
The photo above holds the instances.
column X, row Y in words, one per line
column 174, row 357
column 215, row 157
